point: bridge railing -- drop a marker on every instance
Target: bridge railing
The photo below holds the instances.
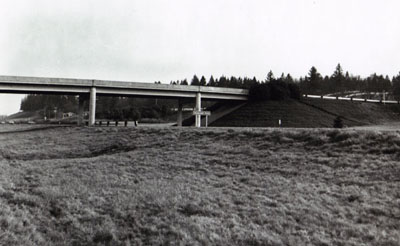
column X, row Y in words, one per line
column 351, row 99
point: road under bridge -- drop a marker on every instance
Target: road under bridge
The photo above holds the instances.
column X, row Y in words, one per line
column 88, row 89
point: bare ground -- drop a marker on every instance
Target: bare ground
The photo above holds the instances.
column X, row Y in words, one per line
column 171, row 186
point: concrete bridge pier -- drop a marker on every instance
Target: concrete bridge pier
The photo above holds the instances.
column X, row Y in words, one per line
column 198, row 108
column 92, row 107
column 83, row 98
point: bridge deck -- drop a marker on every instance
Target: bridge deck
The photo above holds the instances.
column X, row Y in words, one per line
column 38, row 85
column 26, row 85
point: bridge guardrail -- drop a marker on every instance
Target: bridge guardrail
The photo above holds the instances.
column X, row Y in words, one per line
column 351, row 99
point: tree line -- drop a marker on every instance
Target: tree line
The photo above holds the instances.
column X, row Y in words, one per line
column 339, row 82
column 343, row 82
column 49, row 104
column 116, row 108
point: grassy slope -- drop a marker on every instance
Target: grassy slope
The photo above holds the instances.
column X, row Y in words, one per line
column 127, row 186
column 267, row 114
column 309, row 113
column 368, row 113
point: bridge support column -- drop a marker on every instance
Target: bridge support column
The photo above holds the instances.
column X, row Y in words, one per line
column 198, row 108
column 92, row 106
column 180, row 106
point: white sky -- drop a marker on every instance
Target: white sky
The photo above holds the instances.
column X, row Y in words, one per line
column 152, row 40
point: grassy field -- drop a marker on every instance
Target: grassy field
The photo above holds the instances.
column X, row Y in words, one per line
column 172, row 186
column 309, row 113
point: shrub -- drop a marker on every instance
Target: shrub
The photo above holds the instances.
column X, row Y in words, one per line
column 150, row 113
column 338, row 122
column 133, row 114
column 116, row 114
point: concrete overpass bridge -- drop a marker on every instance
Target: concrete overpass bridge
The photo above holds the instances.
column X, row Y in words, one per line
column 88, row 90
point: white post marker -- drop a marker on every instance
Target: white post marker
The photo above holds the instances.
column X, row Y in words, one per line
column 279, row 122
column 200, row 113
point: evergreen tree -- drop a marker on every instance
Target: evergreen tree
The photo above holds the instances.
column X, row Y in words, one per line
column 234, row 82
column 203, row 81
column 327, row 85
column 378, row 83
column 254, row 81
column 289, row 78
column 338, row 79
column 195, row 81
column 270, row 76
column 347, row 81
column 387, row 85
column 223, row 82
column 211, row 81
column 338, row 71
column 240, row 83
column 313, row 81
column 396, row 87
column 247, row 83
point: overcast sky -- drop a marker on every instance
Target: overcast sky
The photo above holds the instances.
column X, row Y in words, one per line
column 164, row 40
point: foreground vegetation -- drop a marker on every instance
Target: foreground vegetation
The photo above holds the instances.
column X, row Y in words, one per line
column 171, row 186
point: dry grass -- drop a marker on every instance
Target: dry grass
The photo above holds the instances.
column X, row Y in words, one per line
column 144, row 186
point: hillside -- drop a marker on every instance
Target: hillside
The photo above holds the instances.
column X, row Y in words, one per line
column 187, row 186
column 309, row 113
column 366, row 113
column 23, row 116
